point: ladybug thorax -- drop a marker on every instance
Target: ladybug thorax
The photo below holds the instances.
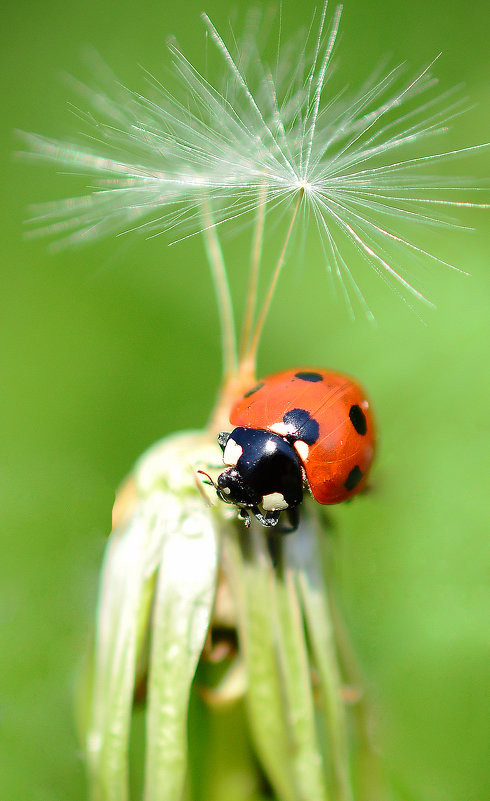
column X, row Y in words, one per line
column 263, row 470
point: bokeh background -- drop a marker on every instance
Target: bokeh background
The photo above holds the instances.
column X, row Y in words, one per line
column 105, row 350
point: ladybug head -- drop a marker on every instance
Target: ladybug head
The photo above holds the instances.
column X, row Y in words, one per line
column 263, row 471
column 231, row 488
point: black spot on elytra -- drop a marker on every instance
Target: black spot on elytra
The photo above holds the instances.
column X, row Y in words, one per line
column 306, row 427
column 358, row 419
column 254, row 389
column 313, row 377
column 353, row 478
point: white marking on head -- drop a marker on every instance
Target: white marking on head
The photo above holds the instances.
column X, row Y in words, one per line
column 270, row 446
column 282, row 428
column 274, row 502
column 302, row 449
column 226, row 490
column 365, row 404
column 232, row 452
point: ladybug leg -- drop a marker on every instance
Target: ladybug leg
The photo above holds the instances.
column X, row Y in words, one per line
column 223, row 438
column 293, row 519
column 245, row 516
column 292, row 523
column 269, row 519
column 274, row 546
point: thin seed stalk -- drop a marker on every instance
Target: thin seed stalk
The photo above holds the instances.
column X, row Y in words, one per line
column 252, row 350
column 222, row 290
column 254, row 273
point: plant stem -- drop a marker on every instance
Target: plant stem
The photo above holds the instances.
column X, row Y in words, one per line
column 372, row 778
column 250, row 580
column 254, row 273
column 251, row 354
column 222, row 290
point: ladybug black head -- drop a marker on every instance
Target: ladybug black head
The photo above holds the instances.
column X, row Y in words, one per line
column 263, row 473
column 231, row 488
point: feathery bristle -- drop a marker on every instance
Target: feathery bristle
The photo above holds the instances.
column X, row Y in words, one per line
column 273, row 134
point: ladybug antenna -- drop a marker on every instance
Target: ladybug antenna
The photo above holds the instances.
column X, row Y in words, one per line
column 210, row 480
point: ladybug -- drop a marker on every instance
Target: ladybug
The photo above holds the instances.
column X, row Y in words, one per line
column 303, row 429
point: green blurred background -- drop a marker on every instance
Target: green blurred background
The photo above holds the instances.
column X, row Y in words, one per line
column 98, row 360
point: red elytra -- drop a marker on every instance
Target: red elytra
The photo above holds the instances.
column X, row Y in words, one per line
column 326, row 416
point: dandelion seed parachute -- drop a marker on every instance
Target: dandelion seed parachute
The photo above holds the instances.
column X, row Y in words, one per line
column 265, row 137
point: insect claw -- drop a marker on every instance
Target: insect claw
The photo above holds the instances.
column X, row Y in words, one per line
column 223, row 438
column 245, row 516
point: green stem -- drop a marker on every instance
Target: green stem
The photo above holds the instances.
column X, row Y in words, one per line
column 306, row 753
column 254, row 273
column 222, row 290
column 252, row 350
column 302, row 551
column 249, row 579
